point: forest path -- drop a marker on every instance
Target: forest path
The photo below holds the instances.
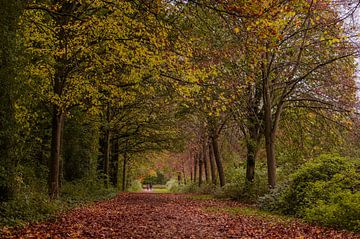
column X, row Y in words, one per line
column 152, row 215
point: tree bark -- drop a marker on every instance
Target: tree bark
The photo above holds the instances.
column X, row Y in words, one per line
column 200, row 160
column 195, row 166
column 184, row 175
column 206, row 170
column 61, row 163
column 250, row 161
column 107, row 146
column 123, row 183
column 190, row 167
column 271, row 124
column 252, row 145
column 217, row 157
column 107, row 156
column 212, row 164
column 183, row 172
column 10, row 12
column 254, row 125
column 57, row 126
column 115, row 164
column 270, row 156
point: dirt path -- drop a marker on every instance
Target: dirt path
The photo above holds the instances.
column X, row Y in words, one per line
column 149, row 215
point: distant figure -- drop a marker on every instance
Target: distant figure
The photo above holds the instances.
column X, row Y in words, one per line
column 150, row 186
column 147, row 187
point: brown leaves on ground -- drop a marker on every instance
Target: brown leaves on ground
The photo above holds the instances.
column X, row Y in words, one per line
column 147, row 215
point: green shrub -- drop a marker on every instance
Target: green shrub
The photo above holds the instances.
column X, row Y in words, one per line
column 28, row 205
column 191, row 187
column 207, row 188
column 270, row 201
column 136, row 186
column 314, row 181
column 86, row 189
column 229, row 190
column 325, row 190
column 173, row 186
column 32, row 203
column 240, row 189
column 341, row 210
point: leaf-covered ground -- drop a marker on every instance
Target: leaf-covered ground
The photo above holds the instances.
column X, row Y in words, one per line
column 150, row 215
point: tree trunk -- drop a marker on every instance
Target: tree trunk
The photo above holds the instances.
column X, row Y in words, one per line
column 115, row 164
column 212, row 164
column 7, row 142
column 184, row 175
column 107, row 146
column 217, row 157
column 183, row 172
column 61, row 162
column 107, row 156
column 205, row 162
column 57, row 126
column 195, row 166
column 268, row 133
column 59, row 80
column 200, row 160
column 271, row 126
column 123, row 183
column 252, row 145
column 250, row 162
column 190, row 167
column 10, row 12
column 254, row 125
column 270, row 156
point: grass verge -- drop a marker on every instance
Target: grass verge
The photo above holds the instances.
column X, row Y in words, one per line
column 252, row 212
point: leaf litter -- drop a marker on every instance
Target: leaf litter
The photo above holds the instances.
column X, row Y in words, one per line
column 152, row 215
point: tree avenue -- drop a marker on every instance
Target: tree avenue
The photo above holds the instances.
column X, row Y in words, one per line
column 223, row 97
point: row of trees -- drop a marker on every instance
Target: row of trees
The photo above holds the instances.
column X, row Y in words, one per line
column 87, row 83
column 267, row 61
column 91, row 87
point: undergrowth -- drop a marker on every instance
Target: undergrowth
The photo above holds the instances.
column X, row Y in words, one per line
column 33, row 204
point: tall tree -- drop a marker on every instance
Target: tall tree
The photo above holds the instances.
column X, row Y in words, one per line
column 297, row 44
column 9, row 16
